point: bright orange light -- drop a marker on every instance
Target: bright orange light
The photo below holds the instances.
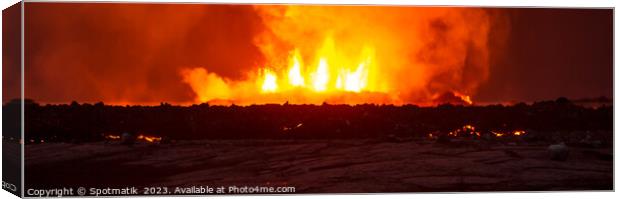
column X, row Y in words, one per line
column 334, row 72
column 149, row 138
column 152, row 139
column 356, row 55
column 469, row 127
column 113, row 137
column 518, row 133
column 294, row 73
column 497, row 134
column 355, row 81
column 321, row 76
column 269, row 81
column 464, row 97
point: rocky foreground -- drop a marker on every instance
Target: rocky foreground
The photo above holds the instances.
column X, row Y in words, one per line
column 320, row 166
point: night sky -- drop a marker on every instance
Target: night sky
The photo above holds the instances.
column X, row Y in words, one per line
column 551, row 53
column 97, row 52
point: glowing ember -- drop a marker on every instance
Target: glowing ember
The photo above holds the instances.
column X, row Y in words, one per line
column 113, row 137
column 291, row 128
column 513, row 133
column 148, row 138
column 518, row 132
column 465, row 130
column 469, row 128
column 497, row 134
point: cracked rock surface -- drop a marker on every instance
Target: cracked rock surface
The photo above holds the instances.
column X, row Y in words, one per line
column 319, row 166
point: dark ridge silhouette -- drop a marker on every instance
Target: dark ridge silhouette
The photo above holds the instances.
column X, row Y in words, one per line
column 92, row 122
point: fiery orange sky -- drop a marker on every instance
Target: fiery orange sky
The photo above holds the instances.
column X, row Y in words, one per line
column 192, row 53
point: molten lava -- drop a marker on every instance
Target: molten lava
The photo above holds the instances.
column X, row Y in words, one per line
column 112, row 137
column 329, row 72
column 358, row 54
column 148, row 138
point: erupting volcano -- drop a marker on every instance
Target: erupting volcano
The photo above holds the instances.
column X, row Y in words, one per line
column 356, row 55
column 318, row 98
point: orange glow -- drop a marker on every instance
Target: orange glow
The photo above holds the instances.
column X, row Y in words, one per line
column 291, row 128
column 294, row 73
column 469, row 127
column 208, row 86
column 148, row 138
column 463, row 97
column 269, row 81
column 518, row 132
column 113, row 137
column 466, row 129
column 333, row 72
column 513, row 133
column 498, row 134
column 321, row 76
column 355, row 55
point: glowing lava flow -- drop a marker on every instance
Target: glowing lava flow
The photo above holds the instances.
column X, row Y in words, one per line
column 294, row 73
column 333, row 72
column 269, row 81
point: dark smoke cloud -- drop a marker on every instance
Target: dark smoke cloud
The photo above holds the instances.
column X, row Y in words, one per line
column 551, row 53
column 132, row 52
column 11, row 52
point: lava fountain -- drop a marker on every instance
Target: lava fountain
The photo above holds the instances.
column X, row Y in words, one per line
column 357, row 54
